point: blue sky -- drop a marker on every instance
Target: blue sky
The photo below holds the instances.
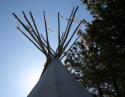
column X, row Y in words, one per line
column 20, row 62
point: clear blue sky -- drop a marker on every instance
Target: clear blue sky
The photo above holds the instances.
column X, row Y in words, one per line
column 20, row 62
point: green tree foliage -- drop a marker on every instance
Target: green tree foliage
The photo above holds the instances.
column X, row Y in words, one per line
column 100, row 55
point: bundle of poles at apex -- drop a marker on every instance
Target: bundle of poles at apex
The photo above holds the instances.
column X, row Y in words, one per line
column 42, row 43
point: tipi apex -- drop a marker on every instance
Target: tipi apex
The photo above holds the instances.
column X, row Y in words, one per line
column 55, row 81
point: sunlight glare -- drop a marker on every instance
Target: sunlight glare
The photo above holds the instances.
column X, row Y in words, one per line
column 29, row 80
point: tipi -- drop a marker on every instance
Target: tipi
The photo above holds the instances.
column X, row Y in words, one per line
column 55, row 80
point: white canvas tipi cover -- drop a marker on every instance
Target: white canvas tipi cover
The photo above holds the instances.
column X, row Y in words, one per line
column 57, row 82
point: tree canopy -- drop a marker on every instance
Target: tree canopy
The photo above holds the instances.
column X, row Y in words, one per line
column 99, row 58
